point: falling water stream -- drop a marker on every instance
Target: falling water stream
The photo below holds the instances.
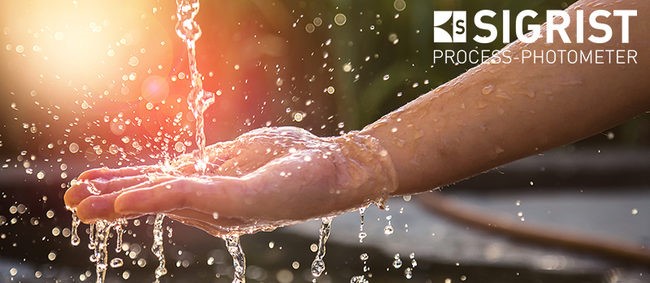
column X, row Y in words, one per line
column 318, row 265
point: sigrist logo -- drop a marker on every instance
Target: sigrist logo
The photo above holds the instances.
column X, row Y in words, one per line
column 458, row 26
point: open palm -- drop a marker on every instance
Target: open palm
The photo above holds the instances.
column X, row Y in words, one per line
column 263, row 179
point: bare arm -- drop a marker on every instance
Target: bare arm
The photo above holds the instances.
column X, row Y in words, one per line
column 496, row 113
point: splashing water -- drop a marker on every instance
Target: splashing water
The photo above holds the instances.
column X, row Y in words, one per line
column 318, row 265
column 157, row 247
column 198, row 99
column 238, row 258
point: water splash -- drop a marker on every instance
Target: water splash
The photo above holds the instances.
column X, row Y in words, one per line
column 238, row 258
column 318, row 265
column 157, row 246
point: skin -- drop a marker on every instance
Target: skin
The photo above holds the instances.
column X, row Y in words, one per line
column 493, row 114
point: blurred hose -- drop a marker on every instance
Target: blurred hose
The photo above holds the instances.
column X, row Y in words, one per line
column 436, row 203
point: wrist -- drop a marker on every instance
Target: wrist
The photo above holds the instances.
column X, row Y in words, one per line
column 370, row 168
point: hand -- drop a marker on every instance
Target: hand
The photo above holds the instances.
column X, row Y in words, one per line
column 264, row 179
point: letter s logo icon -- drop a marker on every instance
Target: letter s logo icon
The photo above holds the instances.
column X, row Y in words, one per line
column 458, row 25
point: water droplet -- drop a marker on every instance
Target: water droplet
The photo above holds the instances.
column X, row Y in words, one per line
column 116, row 262
column 397, row 262
column 347, row 67
column 408, row 273
column 487, row 89
column 73, row 147
column 388, row 229
column 298, row 116
column 317, row 267
column 399, row 5
column 393, row 38
column 340, row 19
column 309, row 28
column 358, row 279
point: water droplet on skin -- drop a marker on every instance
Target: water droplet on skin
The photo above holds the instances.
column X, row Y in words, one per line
column 530, row 94
column 487, row 89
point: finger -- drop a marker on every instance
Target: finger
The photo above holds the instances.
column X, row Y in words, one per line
column 80, row 190
column 107, row 173
column 97, row 207
column 77, row 192
column 104, row 186
column 223, row 195
column 102, row 206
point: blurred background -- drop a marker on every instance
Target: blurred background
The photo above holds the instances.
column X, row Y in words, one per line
column 85, row 84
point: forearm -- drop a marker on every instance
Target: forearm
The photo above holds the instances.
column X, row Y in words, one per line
column 496, row 113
